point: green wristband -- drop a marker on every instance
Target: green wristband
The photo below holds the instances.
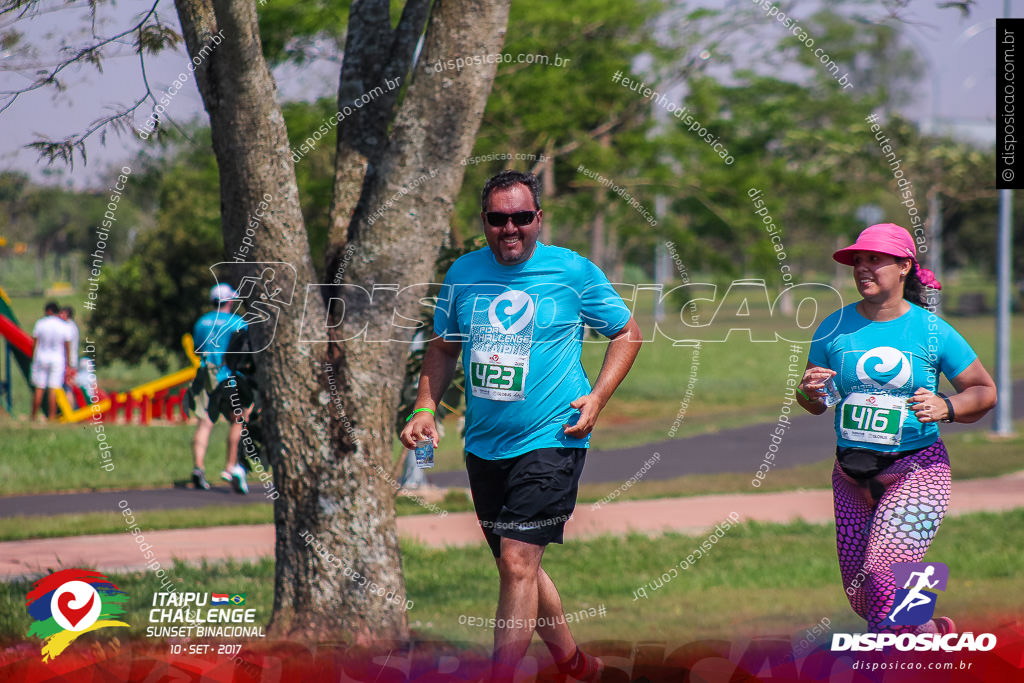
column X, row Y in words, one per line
column 800, row 391
column 419, row 410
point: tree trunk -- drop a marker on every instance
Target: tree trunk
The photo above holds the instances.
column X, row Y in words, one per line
column 547, row 187
column 613, row 253
column 329, row 407
column 374, row 56
column 597, row 230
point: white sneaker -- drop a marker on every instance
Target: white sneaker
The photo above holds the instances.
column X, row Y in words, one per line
column 238, row 480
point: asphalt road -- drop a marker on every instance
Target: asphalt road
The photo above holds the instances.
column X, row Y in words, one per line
column 810, row 439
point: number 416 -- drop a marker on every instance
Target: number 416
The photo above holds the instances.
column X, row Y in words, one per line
column 870, row 418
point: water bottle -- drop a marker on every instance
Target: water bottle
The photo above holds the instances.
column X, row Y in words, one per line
column 831, row 393
column 425, row 453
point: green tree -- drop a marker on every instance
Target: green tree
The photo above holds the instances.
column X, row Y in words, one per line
column 147, row 303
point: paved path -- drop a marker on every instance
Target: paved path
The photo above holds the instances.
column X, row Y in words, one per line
column 734, row 450
column 694, row 515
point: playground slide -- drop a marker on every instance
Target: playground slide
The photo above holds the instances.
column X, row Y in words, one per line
column 22, row 344
column 19, row 340
column 140, row 392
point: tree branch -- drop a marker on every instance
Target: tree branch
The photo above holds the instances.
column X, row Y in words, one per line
column 89, row 53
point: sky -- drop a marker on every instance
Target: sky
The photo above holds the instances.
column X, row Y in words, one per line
column 958, row 52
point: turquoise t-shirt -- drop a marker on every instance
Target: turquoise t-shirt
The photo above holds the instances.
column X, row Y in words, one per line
column 211, row 336
column 521, row 329
column 879, row 365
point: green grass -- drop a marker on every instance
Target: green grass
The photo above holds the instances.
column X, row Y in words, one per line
column 41, row 457
column 758, row 579
column 83, row 524
column 88, row 523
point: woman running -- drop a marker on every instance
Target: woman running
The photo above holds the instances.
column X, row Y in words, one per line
column 891, row 479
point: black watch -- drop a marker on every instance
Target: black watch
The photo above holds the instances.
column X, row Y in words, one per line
column 949, row 407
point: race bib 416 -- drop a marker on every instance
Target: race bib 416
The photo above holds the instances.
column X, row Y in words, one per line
column 872, row 418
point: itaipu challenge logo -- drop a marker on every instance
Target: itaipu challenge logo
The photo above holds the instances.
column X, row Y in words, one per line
column 68, row 603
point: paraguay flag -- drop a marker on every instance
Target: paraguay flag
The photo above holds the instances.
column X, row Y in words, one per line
column 218, row 598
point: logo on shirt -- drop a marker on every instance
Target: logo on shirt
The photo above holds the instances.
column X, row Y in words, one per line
column 511, row 303
column 889, row 360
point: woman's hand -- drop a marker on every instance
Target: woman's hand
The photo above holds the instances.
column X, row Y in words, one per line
column 814, row 380
column 928, row 406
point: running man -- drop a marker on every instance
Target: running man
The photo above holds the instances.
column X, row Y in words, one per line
column 891, row 479
column 516, row 311
column 212, row 334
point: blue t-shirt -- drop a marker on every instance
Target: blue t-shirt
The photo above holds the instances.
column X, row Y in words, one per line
column 211, row 336
column 521, row 329
column 893, row 358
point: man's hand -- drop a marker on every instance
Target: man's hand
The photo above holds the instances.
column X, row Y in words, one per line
column 420, row 427
column 438, row 368
column 618, row 359
column 590, row 407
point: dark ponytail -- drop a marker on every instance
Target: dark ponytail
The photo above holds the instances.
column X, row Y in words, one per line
column 916, row 291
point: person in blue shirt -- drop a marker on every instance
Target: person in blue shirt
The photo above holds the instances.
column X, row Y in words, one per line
column 211, row 335
column 891, row 480
column 516, row 311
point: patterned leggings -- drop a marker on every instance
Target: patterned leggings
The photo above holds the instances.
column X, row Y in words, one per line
column 898, row 527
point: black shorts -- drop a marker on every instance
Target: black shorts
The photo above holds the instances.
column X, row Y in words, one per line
column 527, row 498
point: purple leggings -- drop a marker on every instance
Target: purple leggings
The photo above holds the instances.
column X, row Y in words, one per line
column 898, row 527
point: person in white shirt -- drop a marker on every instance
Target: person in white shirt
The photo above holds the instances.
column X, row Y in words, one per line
column 67, row 314
column 51, row 353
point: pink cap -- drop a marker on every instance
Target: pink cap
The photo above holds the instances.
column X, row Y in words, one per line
column 886, row 238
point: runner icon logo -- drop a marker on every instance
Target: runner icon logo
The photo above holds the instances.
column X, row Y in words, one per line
column 914, row 603
column 913, row 606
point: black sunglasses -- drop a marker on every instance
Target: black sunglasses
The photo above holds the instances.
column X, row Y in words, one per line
column 519, row 218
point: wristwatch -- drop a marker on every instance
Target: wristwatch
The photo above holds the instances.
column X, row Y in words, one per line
column 949, row 408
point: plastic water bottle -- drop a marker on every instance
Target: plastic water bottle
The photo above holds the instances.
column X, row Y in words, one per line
column 425, row 453
column 831, row 393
